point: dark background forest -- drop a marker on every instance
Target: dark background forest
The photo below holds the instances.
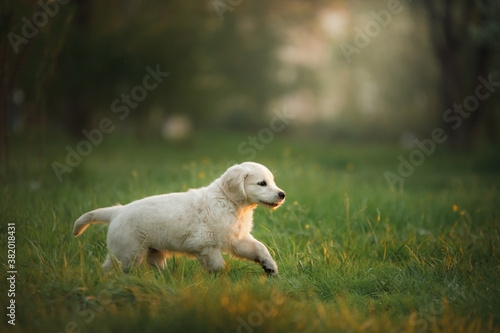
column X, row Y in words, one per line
column 377, row 71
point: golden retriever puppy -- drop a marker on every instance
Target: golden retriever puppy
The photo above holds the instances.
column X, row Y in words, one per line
column 202, row 222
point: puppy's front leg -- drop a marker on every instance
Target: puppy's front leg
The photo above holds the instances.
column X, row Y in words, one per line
column 250, row 248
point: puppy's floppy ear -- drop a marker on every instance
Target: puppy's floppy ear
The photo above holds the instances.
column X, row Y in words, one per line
column 233, row 183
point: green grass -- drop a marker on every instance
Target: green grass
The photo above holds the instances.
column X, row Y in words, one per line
column 353, row 256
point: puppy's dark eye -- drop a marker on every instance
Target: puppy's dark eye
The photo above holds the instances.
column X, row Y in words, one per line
column 262, row 183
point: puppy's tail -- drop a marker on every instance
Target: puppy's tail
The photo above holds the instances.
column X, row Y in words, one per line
column 102, row 215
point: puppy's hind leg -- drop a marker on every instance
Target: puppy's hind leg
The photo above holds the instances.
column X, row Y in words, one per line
column 125, row 247
column 107, row 264
column 131, row 258
column 127, row 254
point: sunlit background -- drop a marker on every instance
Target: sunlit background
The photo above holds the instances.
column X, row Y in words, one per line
column 376, row 71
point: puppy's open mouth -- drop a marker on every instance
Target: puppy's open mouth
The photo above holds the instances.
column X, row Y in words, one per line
column 271, row 204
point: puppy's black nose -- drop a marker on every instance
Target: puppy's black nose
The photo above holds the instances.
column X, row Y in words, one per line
column 281, row 195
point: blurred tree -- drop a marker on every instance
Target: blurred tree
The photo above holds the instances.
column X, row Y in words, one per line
column 77, row 52
column 464, row 35
column 239, row 74
column 28, row 58
column 217, row 67
column 10, row 62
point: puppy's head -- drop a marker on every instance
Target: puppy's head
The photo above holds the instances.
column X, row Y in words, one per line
column 252, row 183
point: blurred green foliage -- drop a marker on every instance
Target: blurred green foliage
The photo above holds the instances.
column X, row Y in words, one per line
column 230, row 66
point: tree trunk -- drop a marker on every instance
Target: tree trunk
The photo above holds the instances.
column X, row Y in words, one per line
column 10, row 63
column 452, row 92
column 78, row 115
column 450, row 22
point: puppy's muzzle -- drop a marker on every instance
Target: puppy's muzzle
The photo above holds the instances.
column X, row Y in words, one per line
column 276, row 204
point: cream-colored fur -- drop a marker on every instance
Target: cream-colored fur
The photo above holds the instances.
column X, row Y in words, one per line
column 202, row 222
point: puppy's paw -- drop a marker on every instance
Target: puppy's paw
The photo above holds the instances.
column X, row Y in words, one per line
column 270, row 267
